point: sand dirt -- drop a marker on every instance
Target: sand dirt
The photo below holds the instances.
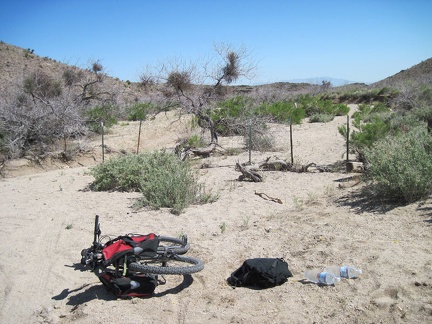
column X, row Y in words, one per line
column 47, row 218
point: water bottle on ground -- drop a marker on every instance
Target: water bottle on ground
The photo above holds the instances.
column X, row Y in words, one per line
column 347, row 272
column 321, row 277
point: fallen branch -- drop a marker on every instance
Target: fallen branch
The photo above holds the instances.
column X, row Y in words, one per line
column 267, row 197
column 248, row 172
column 275, row 165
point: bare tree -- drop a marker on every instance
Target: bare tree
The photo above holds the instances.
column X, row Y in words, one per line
column 44, row 108
column 194, row 88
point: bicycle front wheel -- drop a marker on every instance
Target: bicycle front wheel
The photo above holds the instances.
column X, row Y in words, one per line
column 175, row 264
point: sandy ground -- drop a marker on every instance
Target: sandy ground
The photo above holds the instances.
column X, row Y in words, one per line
column 47, row 218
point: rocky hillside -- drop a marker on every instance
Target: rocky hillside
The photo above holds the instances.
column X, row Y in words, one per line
column 419, row 73
column 17, row 63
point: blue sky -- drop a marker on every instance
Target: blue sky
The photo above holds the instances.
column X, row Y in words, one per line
column 362, row 40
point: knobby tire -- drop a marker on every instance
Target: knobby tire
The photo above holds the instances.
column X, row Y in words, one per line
column 194, row 265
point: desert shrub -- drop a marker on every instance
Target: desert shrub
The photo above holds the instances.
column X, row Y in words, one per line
column 400, row 166
column 368, row 95
column 196, row 141
column 282, row 112
column 98, row 114
column 365, row 111
column 168, row 182
column 139, row 111
column 233, row 107
column 161, row 177
column 366, row 134
column 259, row 142
column 319, row 104
column 321, row 118
column 118, row 174
column 42, row 85
column 231, row 115
column 375, row 122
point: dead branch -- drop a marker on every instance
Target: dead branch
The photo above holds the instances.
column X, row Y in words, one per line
column 302, row 168
column 267, row 197
column 275, row 165
column 204, row 151
column 248, row 172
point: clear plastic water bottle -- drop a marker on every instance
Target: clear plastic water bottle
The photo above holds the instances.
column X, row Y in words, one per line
column 321, row 277
column 347, row 272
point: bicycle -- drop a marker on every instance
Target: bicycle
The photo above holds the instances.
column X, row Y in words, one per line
column 135, row 260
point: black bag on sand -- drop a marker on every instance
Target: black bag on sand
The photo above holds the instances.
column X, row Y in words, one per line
column 261, row 272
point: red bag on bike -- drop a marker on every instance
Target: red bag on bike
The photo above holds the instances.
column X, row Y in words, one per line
column 143, row 245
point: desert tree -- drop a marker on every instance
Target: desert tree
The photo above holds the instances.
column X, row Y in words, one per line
column 43, row 108
column 194, row 87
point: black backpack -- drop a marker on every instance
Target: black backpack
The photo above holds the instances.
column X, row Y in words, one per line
column 261, row 272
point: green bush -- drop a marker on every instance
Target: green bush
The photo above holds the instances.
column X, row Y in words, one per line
column 231, row 114
column 370, row 132
column 98, row 114
column 161, row 177
column 365, row 111
column 234, row 107
column 282, row 112
column 314, row 105
column 168, row 182
column 118, row 174
column 400, row 167
column 375, row 122
column 368, row 95
column 196, row 141
column 139, row 111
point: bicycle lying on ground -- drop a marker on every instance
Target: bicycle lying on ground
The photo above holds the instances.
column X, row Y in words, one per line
column 128, row 265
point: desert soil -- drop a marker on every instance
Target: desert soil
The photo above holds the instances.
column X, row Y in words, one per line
column 47, row 218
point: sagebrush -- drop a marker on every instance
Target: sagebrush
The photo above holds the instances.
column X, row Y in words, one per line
column 400, row 166
column 163, row 180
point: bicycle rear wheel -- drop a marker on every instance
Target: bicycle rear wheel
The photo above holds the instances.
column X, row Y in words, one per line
column 175, row 264
column 173, row 245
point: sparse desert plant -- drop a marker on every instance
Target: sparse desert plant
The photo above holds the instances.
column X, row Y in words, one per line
column 105, row 114
column 230, row 151
column 206, row 197
column 163, row 180
column 321, row 118
column 259, row 142
column 400, row 166
column 298, row 203
column 246, row 220
column 139, row 111
column 223, row 227
column 196, row 141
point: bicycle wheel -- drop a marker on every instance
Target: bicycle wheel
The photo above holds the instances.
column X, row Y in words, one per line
column 175, row 264
column 173, row 245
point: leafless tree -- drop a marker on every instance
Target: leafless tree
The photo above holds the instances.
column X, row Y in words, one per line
column 43, row 109
column 195, row 88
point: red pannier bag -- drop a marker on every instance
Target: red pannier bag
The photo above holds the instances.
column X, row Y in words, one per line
column 143, row 245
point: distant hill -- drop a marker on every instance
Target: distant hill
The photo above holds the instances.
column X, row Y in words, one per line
column 419, row 73
column 17, row 63
column 319, row 80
